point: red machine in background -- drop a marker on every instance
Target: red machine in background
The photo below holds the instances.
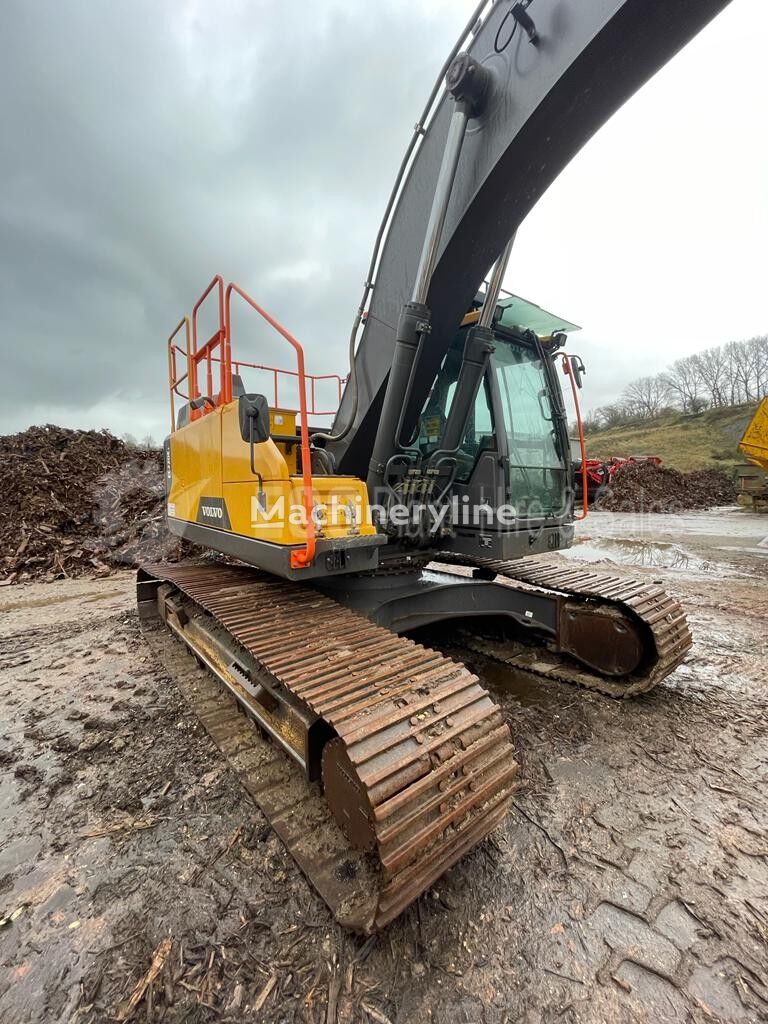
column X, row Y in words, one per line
column 601, row 472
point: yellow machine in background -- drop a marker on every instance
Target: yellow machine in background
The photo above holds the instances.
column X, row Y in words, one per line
column 753, row 483
column 754, row 444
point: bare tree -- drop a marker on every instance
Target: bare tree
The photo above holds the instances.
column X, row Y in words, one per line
column 712, row 368
column 760, row 344
column 683, row 379
column 613, row 415
column 741, row 360
column 592, row 421
column 646, row 396
column 727, row 374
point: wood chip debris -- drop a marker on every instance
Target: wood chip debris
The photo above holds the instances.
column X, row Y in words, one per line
column 13, row 916
column 263, row 996
column 374, row 1014
column 159, row 958
column 78, row 503
column 126, row 824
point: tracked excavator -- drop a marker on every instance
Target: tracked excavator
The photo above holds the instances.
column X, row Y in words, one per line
column 444, row 477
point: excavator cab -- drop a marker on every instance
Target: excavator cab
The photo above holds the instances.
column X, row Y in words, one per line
column 514, row 447
column 506, row 470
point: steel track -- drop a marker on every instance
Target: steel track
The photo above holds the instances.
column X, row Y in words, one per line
column 661, row 616
column 431, row 757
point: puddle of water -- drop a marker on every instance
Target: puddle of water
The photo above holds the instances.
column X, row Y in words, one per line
column 511, row 682
column 658, row 554
column 718, row 526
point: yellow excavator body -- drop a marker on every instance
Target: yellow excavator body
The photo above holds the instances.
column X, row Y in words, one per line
column 212, row 483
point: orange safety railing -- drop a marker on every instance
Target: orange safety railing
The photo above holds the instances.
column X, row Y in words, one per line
column 305, row 557
column 568, row 371
column 205, row 353
column 174, row 377
column 310, row 378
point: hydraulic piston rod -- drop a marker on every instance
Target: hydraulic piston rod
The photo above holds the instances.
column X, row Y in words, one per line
column 478, row 348
column 456, row 132
column 468, row 83
column 494, row 285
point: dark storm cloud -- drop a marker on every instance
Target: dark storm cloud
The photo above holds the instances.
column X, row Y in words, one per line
column 146, row 146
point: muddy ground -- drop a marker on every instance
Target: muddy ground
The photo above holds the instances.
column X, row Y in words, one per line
column 629, row 883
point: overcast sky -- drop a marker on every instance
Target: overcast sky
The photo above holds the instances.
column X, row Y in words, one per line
column 148, row 145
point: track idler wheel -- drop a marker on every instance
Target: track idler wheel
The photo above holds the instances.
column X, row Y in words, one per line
column 347, row 796
column 602, row 637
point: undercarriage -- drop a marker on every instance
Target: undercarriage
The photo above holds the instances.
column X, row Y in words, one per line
column 414, row 759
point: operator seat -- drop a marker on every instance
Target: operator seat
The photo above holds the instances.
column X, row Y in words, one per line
column 182, row 417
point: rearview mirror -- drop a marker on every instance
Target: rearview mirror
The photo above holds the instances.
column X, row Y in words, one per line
column 578, row 369
column 253, row 411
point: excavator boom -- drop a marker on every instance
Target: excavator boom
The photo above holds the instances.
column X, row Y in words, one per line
column 557, row 71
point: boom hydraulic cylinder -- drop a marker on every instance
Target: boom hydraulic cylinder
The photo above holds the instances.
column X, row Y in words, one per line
column 468, row 83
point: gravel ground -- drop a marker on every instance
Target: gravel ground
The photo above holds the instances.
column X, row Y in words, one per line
column 629, row 882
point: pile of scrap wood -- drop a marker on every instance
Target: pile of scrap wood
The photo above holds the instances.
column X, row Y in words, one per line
column 79, row 502
column 647, row 487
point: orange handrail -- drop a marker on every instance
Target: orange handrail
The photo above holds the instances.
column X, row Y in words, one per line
column 219, row 339
column 568, row 371
column 312, row 378
column 173, row 379
column 299, row 558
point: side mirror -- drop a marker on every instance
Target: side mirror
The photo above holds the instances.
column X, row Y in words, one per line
column 253, row 411
column 578, row 370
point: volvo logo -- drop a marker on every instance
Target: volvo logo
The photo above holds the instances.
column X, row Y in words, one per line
column 213, row 512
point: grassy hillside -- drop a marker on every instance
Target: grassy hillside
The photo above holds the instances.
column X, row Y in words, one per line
column 684, row 442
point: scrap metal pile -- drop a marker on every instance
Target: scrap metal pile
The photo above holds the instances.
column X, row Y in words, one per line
column 647, row 487
column 78, row 502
